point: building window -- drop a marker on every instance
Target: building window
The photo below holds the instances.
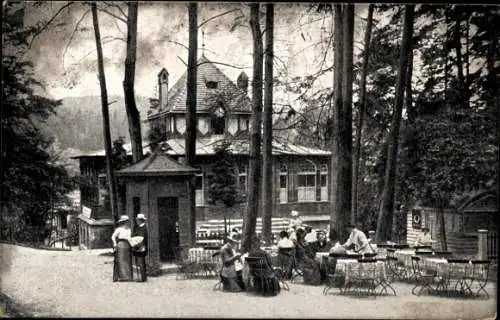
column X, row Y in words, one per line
column 212, row 84
column 242, row 180
column 323, row 177
column 306, row 185
column 283, row 184
column 199, row 188
column 219, row 120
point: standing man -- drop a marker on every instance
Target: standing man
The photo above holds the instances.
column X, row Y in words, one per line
column 141, row 250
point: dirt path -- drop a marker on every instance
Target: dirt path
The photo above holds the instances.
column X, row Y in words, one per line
column 78, row 284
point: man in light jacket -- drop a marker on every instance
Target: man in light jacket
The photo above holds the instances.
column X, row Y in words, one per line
column 359, row 240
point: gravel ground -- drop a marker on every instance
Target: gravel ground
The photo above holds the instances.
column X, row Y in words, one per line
column 79, row 284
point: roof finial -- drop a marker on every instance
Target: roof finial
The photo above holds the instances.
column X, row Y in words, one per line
column 202, row 42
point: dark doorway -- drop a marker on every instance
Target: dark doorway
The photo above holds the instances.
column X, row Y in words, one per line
column 168, row 216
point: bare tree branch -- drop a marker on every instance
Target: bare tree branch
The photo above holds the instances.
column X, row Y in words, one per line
column 103, row 43
column 178, row 43
column 224, row 64
column 73, row 34
column 182, row 60
column 36, row 34
column 217, row 16
column 118, row 27
column 117, row 6
column 114, row 38
column 113, row 15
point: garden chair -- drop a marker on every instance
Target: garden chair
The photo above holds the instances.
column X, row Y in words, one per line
column 459, row 272
column 262, row 277
column 385, row 281
column 218, row 285
column 425, row 279
column 396, row 270
column 187, row 269
column 333, row 280
column 363, row 276
column 480, row 277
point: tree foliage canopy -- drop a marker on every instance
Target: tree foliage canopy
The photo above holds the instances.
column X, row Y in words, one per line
column 31, row 180
column 222, row 184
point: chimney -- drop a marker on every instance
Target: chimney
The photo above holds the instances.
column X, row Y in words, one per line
column 163, row 88
column 242, row 81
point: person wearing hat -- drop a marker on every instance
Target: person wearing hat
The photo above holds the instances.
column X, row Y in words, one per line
column 141, row 250
column 424, row 239
column 122, row 249
column 321, row 244
column 295, row 219
column 358, row 239
column 232, row 279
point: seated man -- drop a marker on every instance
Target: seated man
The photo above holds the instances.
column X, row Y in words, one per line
column 321, row 244
column 357, row 238
column 424, row 239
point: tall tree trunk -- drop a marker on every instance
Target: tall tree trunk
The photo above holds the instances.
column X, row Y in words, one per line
column 442, row 229
column 445, row 56
column 268, row 185
column 105, row 115
column 467, row 61
column 462, row 95
column 254, row 171
column 346, row 124
column 492, row 57
column 191, row 116
column 386, row 210
column 133, row 116
column 336, row 218
column 457, row 36
column 411, row 155
column 412, row 112
column 361, row 112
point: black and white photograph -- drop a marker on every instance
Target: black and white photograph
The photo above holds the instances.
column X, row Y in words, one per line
column 298, row 160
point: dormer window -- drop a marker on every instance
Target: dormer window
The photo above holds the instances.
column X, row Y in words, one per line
column 212, row 84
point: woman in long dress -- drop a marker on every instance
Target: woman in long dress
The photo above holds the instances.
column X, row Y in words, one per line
column 122, row 270
column 232, row 279
column 309, row 267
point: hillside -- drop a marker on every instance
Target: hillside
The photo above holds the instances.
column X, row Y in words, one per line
column 78, row 123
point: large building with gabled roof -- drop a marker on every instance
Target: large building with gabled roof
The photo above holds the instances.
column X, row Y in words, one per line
column 301, row 173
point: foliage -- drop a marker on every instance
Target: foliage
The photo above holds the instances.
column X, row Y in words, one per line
column 119, row 159
column 31, row 180
column 440, row 154
column 222, row 183
column 156, row 136
column 451, row 160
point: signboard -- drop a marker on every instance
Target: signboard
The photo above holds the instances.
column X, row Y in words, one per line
column 416, row 218
column 86, row 211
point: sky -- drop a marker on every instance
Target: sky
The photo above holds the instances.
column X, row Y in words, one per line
column 66, row 61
